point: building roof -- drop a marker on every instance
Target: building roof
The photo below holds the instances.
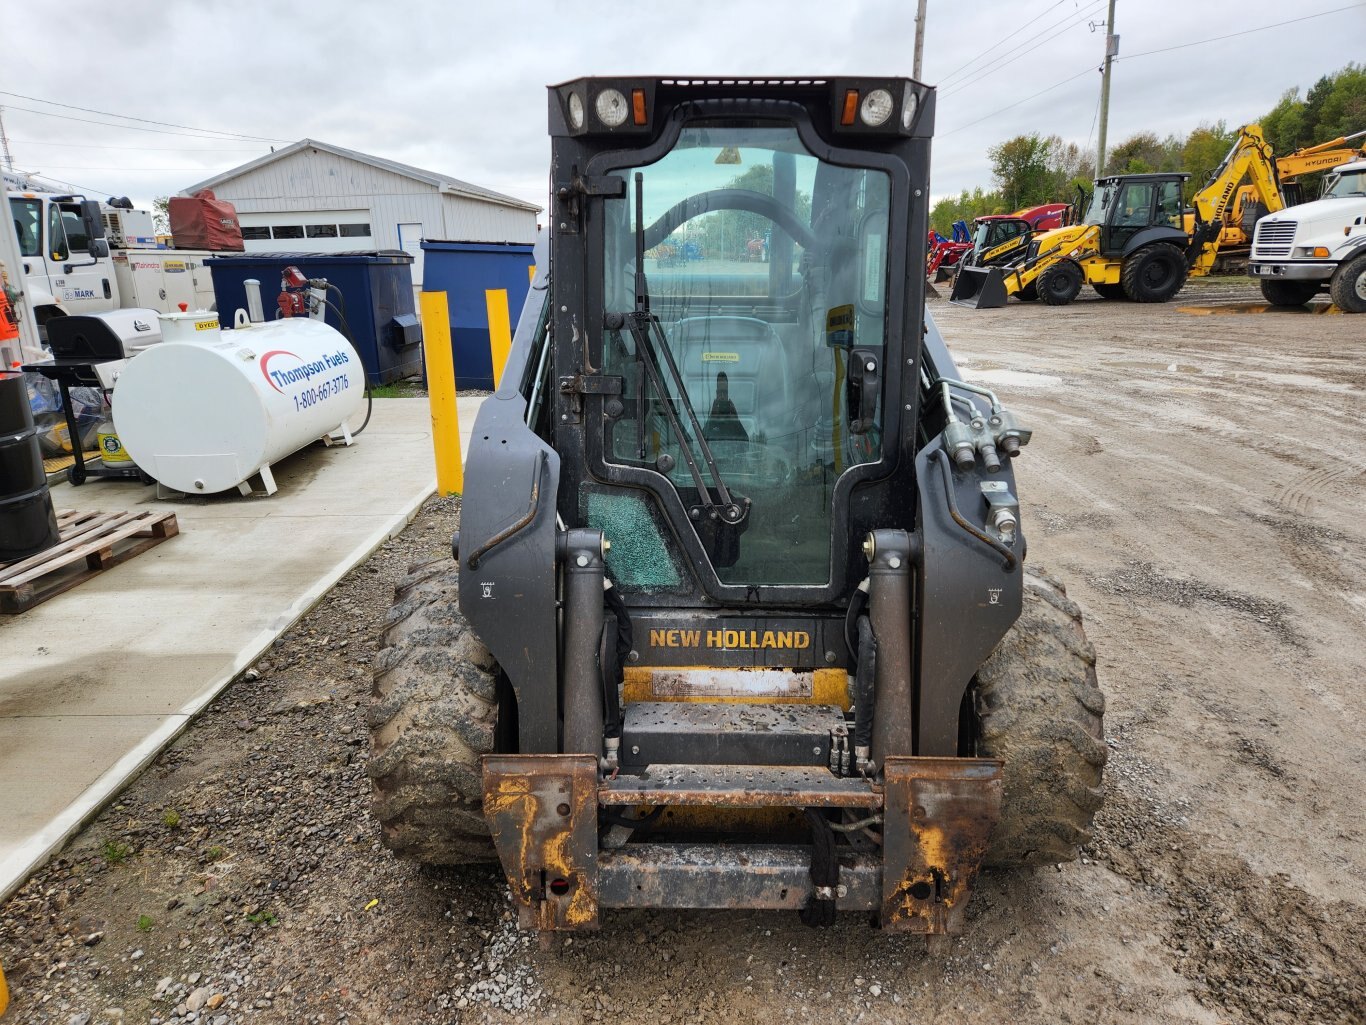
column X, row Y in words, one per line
column 441, row 182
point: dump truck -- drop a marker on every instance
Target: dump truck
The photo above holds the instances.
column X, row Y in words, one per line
column 738, row 614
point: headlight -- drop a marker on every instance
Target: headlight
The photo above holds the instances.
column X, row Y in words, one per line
column 876, row 108
column 909, row 102
column 576, row 110
column 611, row 108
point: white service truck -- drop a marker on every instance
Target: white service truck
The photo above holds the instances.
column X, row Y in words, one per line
column 1303, row 250
column 83, row 256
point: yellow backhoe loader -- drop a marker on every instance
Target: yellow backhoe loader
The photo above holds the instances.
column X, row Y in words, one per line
column 1133, row 243
column 1138, row 241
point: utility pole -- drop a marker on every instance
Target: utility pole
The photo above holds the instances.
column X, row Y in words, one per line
column 920, row 39
column 1111, row 49
column 4, row 143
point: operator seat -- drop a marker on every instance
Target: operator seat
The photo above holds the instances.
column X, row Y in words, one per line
column 750, row 355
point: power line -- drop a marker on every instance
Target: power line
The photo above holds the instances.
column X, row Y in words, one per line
column 122, row 128
column 951, row 75
column 983, row 73
column 1244, row 32
column 121, row 167
column 1049, row 89
column 69, row 184
column 129, row 117
column 157, row 149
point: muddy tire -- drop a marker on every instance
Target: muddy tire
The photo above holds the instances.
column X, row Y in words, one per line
column 1288, row 293
column 432, row 713
column 1040, row 710
column 1348, row 287
column 1154, row 274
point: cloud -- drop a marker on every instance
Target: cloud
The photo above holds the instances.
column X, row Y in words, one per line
column 459, row 87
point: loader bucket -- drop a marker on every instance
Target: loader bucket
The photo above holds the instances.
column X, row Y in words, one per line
column 943, row 273
column 979, row 288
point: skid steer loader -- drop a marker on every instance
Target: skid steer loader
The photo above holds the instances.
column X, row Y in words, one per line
column 738, row 615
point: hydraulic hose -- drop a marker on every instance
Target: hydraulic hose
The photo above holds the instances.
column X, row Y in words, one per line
column 346, row 332
column 864, row 675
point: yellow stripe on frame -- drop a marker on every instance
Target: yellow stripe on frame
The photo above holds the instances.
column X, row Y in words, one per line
column 828, row 687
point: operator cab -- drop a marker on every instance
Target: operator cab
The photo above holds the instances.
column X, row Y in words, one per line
column 738, row 262
column 1125, row 205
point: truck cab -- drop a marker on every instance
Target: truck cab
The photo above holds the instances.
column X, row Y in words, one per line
column 67, row 267
column 1303, row 250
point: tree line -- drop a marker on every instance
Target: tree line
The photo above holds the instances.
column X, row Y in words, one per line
column 1029, row 170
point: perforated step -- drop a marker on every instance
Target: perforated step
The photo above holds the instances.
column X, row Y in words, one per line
column 726, row 733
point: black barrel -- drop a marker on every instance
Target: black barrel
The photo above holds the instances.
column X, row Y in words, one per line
column 28, row 523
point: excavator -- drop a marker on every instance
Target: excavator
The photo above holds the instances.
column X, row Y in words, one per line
column 1249, row 208
column 1138, row 241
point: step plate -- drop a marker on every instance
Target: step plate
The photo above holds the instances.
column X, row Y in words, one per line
column 732, row 876
column 739, row 786
column 727, row 733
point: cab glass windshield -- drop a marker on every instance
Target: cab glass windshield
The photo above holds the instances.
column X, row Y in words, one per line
column 1348, row 183
column 767, row 270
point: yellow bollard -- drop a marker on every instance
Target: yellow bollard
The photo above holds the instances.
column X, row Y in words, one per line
column 440, row 359
column 531, row 274
column 500, row 331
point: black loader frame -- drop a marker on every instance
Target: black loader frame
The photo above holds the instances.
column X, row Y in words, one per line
column 883, row 804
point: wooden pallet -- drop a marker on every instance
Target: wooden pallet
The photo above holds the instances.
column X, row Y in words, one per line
column 91, row 543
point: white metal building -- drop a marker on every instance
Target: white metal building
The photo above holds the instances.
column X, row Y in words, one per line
column 318, row 197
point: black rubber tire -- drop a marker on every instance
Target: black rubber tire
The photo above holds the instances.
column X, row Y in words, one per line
column 1059, row 284
column 1348, row 287
column 1288, row 293
column 1028, row 294
column 1154, row 274
column 432, row 714
column 1040, row 710
column 1115, row 292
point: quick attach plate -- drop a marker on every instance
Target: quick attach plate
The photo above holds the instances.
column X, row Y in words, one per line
column 543, row 813
column 937, row 821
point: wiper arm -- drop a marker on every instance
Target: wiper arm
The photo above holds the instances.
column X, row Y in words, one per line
column 642, row 326
column 645, row 328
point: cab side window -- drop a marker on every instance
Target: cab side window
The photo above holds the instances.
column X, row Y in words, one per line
column 57, row 248
column 1169, row 204
column 76, row 238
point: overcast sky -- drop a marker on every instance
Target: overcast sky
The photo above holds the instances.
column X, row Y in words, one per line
column 457, row 87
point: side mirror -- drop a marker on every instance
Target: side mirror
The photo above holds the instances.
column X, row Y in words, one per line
column 92, row 221
column 98, row 248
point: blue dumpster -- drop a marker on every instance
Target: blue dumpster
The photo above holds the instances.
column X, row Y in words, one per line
column 378, row 292
column 465, row 271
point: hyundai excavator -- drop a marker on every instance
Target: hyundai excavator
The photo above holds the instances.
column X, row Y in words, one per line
column 1137, row 240
column 1249, row 208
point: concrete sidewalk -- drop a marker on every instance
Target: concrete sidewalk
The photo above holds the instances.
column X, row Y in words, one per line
column 96, row 681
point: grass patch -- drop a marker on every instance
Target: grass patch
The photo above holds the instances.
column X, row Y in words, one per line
column 145, row 923
column 215, row 853
column 115, row 852
column 406, row 389
column 170, row 818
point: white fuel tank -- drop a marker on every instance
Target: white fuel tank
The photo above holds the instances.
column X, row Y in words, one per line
column 204, row 415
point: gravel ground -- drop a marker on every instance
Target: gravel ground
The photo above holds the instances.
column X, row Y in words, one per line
column 1189, row 478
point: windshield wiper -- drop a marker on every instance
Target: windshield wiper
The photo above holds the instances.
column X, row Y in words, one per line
column 646, row 330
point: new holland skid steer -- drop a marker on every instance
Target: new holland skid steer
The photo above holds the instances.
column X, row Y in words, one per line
column 738, row 615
